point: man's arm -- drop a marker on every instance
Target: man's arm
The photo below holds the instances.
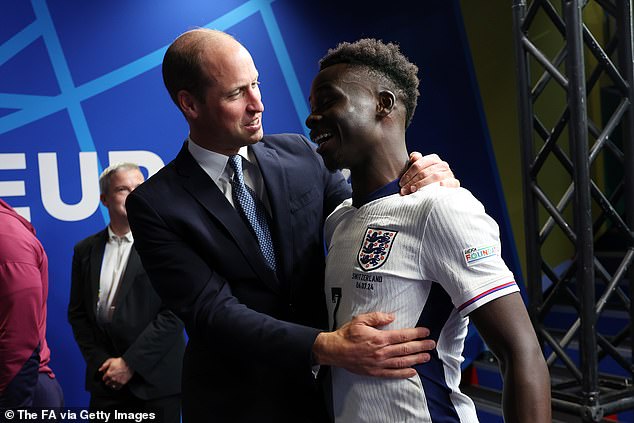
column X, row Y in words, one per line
column 154, row 342
column 476, row 283
column 359, row 347
column 148, row 349
column 203, row 299
column 505, row 327
column 20, row 312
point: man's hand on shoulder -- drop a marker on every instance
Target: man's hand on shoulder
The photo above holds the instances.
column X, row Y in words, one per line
column 425, row 170
column 360, row 348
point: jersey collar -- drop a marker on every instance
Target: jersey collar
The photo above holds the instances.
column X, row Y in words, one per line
column 389, row 189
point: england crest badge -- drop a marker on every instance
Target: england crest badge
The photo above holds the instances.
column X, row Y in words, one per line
column 375, row 248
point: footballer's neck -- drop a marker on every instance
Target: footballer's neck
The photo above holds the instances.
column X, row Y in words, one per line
column 384, row 167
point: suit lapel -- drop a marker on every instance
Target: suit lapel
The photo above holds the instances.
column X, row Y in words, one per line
column 96, row 259
column 129, row 274
column 198, row 184
column 277, row 189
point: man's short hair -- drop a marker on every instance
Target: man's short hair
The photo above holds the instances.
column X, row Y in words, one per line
column 104, row 178
column 384, row 60
column 182, row 66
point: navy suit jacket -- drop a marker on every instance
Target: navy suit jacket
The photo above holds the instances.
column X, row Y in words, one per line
column 251, row 330
column 143, row 330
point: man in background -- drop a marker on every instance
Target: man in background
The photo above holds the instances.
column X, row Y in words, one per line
column 133, row 346
column 26, row 380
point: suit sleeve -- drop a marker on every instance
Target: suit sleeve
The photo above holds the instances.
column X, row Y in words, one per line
column 83, row 330
column 154, row 342
column 203, row 299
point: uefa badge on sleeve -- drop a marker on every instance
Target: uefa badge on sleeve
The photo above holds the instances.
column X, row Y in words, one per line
column 375, row 248
column 476, row 255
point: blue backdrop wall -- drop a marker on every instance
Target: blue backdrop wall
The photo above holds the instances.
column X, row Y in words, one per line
column 80, row 88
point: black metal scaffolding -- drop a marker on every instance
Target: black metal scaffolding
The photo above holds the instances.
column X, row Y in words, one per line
column 578, row 179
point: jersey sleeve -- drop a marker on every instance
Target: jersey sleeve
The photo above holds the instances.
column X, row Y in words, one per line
column 461, row 251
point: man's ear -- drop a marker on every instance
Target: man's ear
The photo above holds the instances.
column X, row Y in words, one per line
column 387, row 99
column 188, row 104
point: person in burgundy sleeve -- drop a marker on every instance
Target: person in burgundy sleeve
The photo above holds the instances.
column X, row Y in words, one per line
column 26, row 379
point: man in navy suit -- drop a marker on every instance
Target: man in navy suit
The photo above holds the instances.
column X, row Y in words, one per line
column 256, row 324
column 133, row 345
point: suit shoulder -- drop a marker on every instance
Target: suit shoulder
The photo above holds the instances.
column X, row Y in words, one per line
column 288, row 142
column 295, row 149
column 89, row 241
column 156, row 182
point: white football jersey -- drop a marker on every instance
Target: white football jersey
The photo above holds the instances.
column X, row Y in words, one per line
column 430, row 258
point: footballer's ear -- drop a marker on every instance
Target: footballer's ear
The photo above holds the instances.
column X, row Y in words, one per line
column 387, row 99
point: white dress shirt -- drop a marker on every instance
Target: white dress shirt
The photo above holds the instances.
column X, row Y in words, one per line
column 115, row 260
column 217, row 167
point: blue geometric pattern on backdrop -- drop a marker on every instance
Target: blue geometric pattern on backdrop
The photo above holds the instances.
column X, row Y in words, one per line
column 31, row 108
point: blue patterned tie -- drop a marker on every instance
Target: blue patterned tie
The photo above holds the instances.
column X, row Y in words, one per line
column 252, row 211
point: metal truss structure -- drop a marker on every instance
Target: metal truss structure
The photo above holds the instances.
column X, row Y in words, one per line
column 589, row 155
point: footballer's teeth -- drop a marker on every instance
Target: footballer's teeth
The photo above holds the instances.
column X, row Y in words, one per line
column 321, row 137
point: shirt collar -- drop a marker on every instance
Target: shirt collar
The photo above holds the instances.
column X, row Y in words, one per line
column 112, row 236
column 389, row 189
column 213, row 163
column 244, row 152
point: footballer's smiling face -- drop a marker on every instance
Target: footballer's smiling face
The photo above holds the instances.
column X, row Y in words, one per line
column 343, row 118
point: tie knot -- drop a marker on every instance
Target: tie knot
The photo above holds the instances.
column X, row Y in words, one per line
column 235, row 162
column 117, row 239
